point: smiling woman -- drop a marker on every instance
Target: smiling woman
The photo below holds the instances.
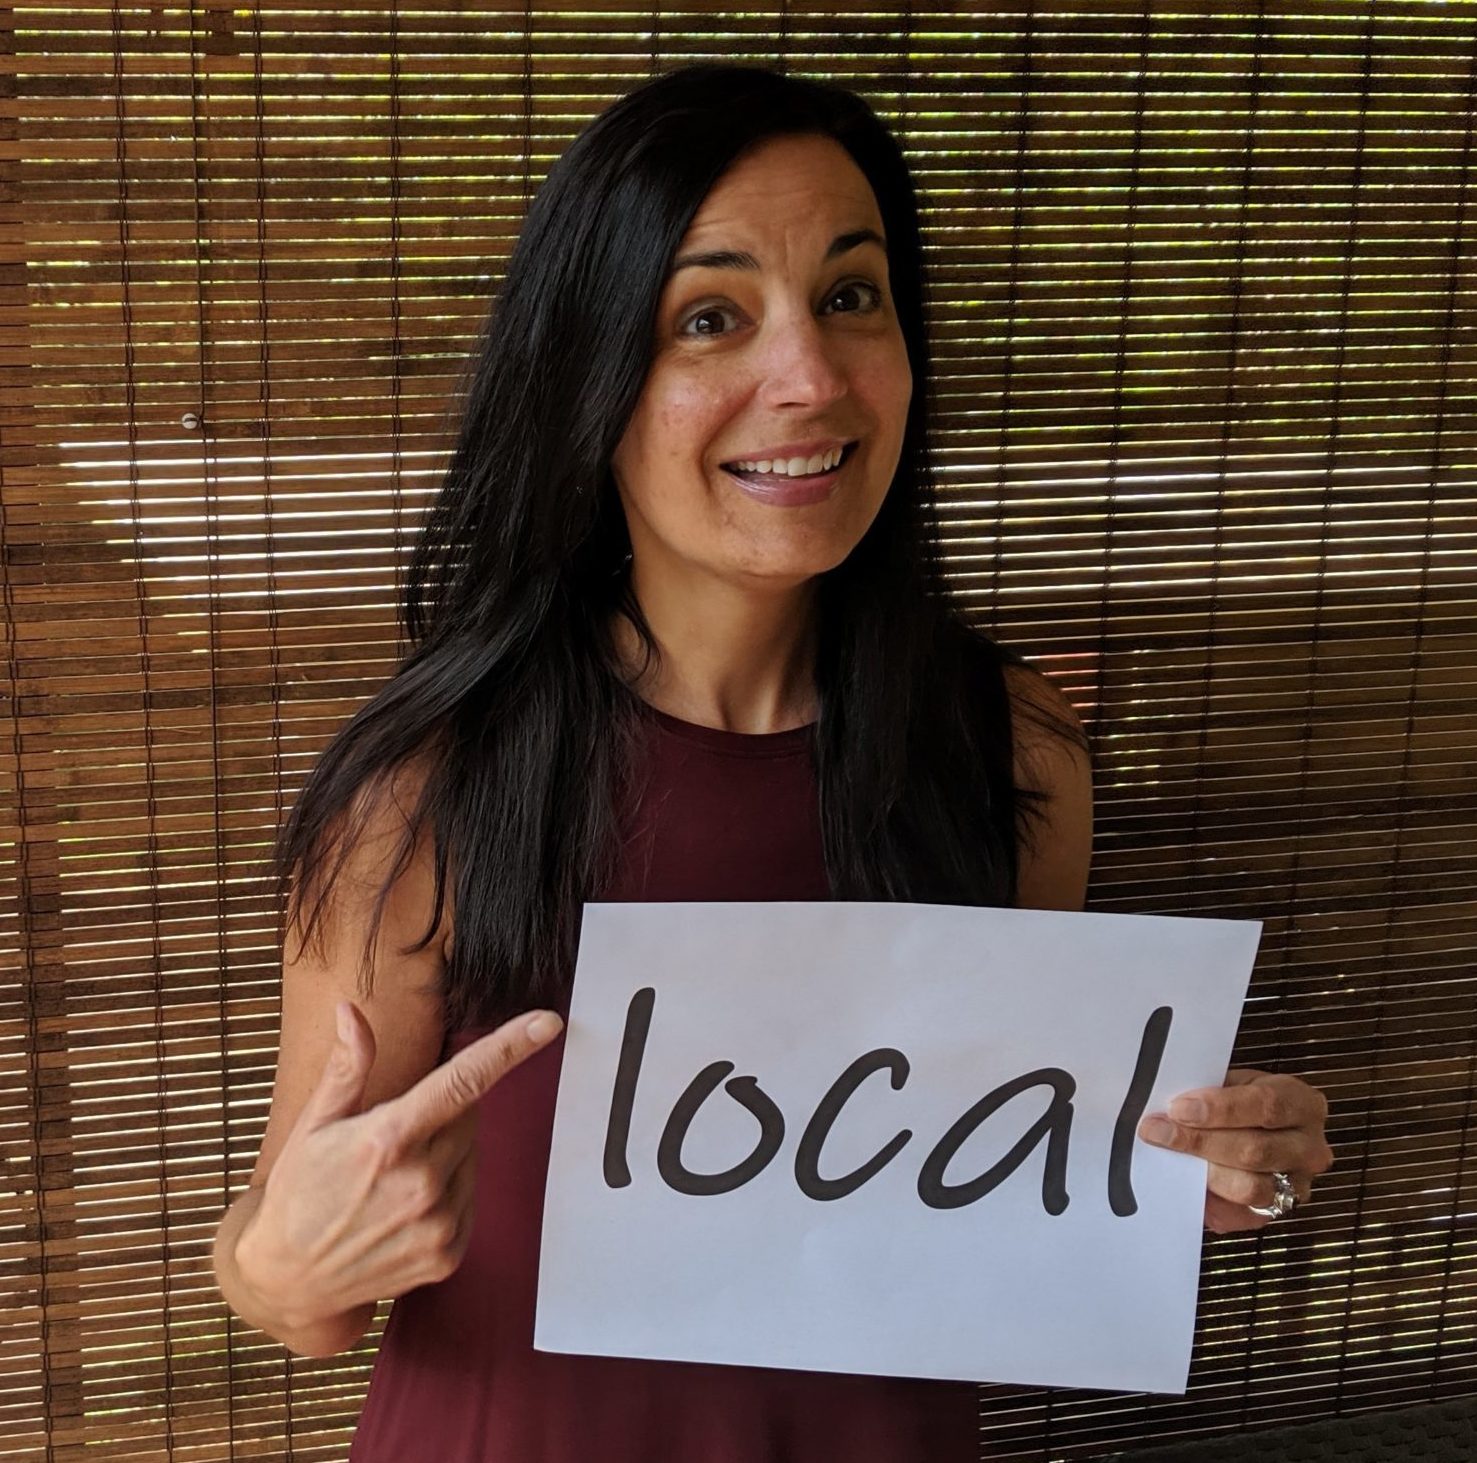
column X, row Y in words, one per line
column 680, row 633
column 805, row 369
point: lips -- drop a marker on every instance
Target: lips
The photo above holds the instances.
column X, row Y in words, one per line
column 780, row 490
column 785, row 477
column 784, row 454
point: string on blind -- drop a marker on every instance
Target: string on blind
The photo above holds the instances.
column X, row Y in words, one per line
column 1203, row 319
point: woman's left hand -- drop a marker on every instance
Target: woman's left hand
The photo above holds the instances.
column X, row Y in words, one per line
column 1259, row 1122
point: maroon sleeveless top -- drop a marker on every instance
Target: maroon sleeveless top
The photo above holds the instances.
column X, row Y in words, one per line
column 724, row 815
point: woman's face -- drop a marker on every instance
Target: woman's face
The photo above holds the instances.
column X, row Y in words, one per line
column 800, row 347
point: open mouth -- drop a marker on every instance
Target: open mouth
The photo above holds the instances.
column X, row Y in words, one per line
column 771, row 479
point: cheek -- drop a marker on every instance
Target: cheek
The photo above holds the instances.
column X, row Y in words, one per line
column 662, row 467
column 670, row 470
column 666, row 434
column 887, row 387
column 685, row 417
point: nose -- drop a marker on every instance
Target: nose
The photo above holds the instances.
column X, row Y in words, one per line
column 799, row 365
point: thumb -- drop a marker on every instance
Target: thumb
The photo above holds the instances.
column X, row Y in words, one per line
column 340, row 1089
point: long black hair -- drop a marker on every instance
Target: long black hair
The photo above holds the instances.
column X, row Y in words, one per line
column 510, row 703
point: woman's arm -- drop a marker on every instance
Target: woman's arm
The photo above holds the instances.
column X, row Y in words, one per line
column 1256, row 1124
column 404, row 1014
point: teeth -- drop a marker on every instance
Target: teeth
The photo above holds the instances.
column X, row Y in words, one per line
column 795, row 466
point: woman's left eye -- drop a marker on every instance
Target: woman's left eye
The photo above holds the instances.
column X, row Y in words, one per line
column 872, row 290
column 860, row 284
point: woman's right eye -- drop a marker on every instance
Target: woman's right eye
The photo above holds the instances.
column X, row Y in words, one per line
column 703, row 314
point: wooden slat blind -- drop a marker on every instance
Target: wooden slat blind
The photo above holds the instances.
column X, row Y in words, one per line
column 1204, row 323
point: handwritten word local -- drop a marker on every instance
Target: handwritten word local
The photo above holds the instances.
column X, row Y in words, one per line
column 1053, row 1126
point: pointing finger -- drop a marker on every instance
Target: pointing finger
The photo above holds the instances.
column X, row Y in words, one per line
column 451, row 1145
column 451, row 1089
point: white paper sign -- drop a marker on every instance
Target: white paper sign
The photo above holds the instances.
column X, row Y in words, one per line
column 885, row 1138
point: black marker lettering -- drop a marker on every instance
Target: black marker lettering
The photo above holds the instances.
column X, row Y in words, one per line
column 1120, row 1156
column 1055, row 1124
column 623, row 1097
column 743, row 1090
column 807, row 1156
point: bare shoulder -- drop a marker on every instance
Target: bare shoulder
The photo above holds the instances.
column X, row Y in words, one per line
column 386, row 845
column 402, row 1002
column 1044, row 724
column 1052, row 756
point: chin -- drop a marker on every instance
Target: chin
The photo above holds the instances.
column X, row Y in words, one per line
column 789, row 565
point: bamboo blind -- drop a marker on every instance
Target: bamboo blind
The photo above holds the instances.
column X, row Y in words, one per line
column 1204, row 321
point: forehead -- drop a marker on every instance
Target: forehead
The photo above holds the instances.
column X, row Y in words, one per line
column 780, row 181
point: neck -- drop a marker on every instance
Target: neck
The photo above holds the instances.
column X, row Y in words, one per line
column 732, row 657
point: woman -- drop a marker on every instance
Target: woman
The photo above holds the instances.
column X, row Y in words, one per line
column 679, row 633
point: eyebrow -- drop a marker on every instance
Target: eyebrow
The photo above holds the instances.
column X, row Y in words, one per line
column 739, row 259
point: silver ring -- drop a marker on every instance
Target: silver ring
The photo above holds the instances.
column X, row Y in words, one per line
column 1284, row 1203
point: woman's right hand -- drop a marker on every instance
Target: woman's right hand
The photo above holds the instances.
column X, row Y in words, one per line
column 362, row 1206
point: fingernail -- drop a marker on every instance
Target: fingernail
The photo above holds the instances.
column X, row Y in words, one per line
column 1187, row 1109
column 1156, row 1130
column 542, row 1025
